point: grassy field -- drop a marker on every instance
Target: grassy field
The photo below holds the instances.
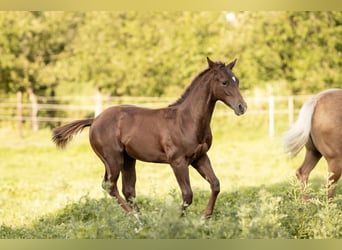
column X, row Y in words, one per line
column 49, row 193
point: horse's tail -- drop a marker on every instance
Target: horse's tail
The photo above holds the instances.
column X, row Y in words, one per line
column 62, row 135
column 298, row 135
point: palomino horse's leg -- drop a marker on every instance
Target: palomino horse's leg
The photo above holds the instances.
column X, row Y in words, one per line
column 128, row 180
column 312, row 156
column 181, row 171
column 335, row 168
column 203, row 166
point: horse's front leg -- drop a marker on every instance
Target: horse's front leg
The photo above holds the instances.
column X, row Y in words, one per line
column 181, row 171
column 203, row 166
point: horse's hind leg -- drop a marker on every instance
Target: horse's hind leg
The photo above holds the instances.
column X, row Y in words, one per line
column 113, row 162
column 335, row 170
column 312, row 156
column 113, row 167
column 129, row 180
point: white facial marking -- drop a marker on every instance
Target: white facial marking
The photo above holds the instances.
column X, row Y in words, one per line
column 234, row 79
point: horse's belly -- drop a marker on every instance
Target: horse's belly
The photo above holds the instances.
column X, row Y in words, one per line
column 146, row 151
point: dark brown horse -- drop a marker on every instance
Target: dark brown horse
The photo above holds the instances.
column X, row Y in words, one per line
column 179, row 134
column 319, row 128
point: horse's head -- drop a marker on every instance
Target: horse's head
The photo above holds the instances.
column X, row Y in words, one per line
column 225, row 86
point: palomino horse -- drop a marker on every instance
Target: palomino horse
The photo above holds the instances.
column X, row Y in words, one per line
column 319, row 128
column 179, row 134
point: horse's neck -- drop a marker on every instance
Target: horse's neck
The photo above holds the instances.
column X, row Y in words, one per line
column 198, row 106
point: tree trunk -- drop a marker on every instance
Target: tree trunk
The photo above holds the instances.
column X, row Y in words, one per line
column 20, row 112
column 34, row 109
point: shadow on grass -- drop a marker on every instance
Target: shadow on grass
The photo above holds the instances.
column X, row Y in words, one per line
column 275, row 211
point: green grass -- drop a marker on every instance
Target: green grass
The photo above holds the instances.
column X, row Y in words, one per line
column 50, row 193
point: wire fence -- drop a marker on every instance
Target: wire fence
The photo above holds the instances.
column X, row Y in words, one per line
column 53, row 111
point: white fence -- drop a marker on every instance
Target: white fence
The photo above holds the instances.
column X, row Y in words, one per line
column 65, row 109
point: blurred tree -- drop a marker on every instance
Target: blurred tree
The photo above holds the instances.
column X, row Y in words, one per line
column 30, row 43
column 144, row 53
column 302, row 48
column 157, row 53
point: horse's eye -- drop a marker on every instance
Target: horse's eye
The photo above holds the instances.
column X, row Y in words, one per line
column 226, row 82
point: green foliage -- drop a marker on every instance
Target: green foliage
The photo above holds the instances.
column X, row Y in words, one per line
column 300, row 47
column 157, row 53
column 252, row 213
column 143, row 53
column 30, row 43
column 49, row 193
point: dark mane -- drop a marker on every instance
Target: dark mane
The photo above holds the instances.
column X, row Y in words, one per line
column 189, row 88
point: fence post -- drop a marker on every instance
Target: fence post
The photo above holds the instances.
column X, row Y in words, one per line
column 34, row 109
column 291, row 110
column 98, row 102
column 20, row 112
column 271, row 116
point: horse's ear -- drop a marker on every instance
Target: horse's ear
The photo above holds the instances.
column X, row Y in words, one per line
column 232, row 64
column 211, row 64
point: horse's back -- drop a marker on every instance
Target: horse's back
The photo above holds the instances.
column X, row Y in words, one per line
column 326, row 128
column 122, row 118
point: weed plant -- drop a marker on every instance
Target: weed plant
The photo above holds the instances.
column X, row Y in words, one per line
column 47, row 193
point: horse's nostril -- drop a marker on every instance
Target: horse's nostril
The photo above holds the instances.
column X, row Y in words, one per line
column 241, row 108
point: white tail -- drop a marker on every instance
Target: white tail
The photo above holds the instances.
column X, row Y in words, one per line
column 298, row 135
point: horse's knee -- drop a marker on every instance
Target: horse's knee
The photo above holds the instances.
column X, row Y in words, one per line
column 332, row 182
column 335, row 173
column 335, row 169
column 215, row 186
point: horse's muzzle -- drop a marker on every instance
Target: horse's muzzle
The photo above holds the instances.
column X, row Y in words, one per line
column 240, row 109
